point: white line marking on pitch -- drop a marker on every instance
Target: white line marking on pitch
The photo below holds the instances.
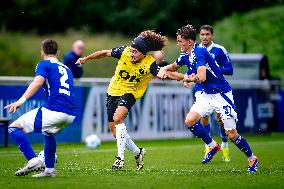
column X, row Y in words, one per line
column 80, row 151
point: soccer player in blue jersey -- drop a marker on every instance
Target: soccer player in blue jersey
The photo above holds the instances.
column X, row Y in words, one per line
column 216, row 94
column 57, row 113
column 221, row 57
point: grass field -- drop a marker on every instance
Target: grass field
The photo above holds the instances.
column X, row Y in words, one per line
column 168, row 164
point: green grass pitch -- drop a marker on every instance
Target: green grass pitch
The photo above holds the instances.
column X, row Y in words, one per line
column 168, row 164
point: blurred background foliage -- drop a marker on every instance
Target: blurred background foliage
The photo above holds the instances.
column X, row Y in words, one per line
column 124, row 16
column 241, row 26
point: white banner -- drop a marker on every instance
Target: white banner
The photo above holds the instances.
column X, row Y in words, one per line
column 159, row 114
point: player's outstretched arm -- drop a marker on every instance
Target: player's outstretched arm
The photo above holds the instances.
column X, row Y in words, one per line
column 163, row 74
column 197, row 78
column 31, row 90
column 169, row 72
column 95, row 55
column 171, row 67
column 174, row 76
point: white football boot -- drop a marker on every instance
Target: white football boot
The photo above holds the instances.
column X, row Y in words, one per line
column 30, row 167
column 46, row 174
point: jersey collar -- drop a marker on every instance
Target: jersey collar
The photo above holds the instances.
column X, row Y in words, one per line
column 52, row 59
column 208, row 48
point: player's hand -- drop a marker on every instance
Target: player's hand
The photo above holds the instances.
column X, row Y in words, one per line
column 186, row 79
column 189, row 78
column 187, row 84
column 13, row 106
column 81, row 60
column 162, row 73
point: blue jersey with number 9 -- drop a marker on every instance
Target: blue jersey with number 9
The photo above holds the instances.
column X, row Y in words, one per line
column 58, row 86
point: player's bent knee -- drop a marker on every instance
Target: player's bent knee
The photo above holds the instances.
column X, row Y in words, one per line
column 232, row 135
column 189, row 122
column 118, row 119
column 191, row 118
column 16, row 124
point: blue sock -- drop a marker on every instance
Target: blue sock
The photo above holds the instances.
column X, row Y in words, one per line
column 22, row 140
column 49, row 150
column 208, row 128
column 223, row 135
column 242, row 144
column 199, row 131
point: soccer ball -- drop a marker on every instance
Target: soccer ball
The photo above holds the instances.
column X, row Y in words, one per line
column 41, row 157
column 92, row 141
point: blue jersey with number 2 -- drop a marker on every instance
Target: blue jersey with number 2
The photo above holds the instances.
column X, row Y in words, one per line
column 58, row 86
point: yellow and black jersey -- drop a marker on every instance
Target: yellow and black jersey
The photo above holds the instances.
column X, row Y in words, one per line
column 129, row 77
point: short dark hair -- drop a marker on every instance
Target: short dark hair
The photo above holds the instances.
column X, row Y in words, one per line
column 49, row 47
column 207, row 27
column 187, row 32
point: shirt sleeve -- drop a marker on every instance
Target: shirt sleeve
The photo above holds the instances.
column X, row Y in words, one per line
column 225, row 62
column 180, row 61
column 201, row 54
column 117, row 52
column 42, row 69
column 154, row 69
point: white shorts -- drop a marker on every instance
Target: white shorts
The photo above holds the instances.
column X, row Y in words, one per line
column 41, row 120
column 206, row 104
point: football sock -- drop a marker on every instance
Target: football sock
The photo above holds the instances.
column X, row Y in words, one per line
column 223, row 135
column 49, row 150
column 242, row 144
column 199, row 131
column 130, row 145
column 212, row 144
column 207, row 128
column 22, row 141
column 120, row 139
column 49, row 170
column 252, row 157
column 224, row 145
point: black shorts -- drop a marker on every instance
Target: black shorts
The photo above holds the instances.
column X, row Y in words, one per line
column 112, row 102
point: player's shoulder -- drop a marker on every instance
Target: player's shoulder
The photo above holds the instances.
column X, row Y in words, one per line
column 44, row 62
column 116, row 52
column 120, row 49
column 200, row 50
column 183, row 54
column 219, row 47
column 69, row 55
column 52, row 62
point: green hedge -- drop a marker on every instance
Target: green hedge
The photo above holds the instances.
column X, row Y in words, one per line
column 122, row 16
column 259, row 31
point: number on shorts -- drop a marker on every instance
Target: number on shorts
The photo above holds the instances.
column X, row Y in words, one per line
column 63, row 80
column 227, row 109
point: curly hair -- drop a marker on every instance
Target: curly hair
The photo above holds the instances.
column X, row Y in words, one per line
column 187, row 32
column 155, row 40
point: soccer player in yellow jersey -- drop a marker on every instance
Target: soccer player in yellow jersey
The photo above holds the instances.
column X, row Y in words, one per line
column 134, row 71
